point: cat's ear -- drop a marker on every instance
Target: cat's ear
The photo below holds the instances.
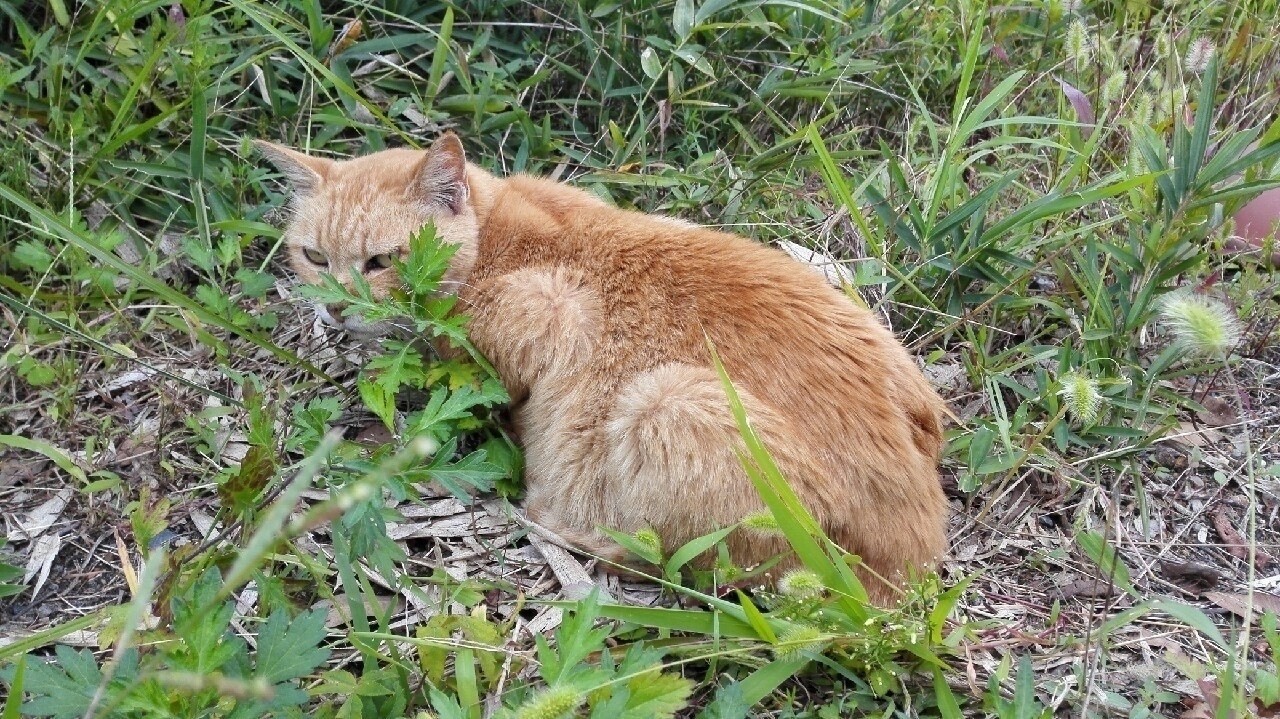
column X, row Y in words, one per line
column 304, row 172
column 441, row 177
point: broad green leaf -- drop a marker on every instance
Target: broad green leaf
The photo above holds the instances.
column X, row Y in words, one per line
column 682, row 19
column 650, row 63
column 656, row 695
column 756, row 619
column 289, row 649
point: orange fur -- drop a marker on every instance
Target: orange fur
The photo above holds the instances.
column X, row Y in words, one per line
column 596, row 319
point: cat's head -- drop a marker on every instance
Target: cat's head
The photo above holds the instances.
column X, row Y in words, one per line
column 357, row 214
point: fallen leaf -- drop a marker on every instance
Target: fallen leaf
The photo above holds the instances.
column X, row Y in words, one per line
column 1191, row 436
column 1196, row 578
column 1266, row 711
column 374, row 434
column 1087, row 589
column 43, row 517
column 825, row 265
column 1237, row 604
column 1209, row 688
column 1235, row 543
column 126, row 565
column 1217, row 412
column 1199, row 710
column 43, row 552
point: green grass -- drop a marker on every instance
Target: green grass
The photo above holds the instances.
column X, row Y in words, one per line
column 1016, row 189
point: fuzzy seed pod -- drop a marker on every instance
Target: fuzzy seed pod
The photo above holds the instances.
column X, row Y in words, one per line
column 551, row 703
column 1080, row 393
column 1202, row 325
column 801, row 583
column 1198, row 56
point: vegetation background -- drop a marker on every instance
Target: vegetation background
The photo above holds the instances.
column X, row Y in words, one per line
column 1038, row 197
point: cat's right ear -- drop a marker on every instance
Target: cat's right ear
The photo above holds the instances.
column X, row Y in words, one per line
column 304, row 172
column 440, row 179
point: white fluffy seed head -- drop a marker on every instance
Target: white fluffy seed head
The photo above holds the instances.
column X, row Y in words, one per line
column 1198, row 55
column 1202, row 325
column 1080, row 394
column 801, row 583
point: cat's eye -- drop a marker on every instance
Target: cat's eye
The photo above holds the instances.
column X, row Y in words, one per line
column 378, row 262
column 315, row 257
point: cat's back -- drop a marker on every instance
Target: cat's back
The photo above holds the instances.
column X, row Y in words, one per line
column 784, row 333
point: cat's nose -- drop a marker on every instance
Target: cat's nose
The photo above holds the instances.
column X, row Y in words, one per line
column 335, row 310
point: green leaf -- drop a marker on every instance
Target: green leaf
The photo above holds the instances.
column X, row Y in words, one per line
column 1192, row 617
column 650, row 63
column 32, row 255
column 693, row 548
column 16, row 689
column 948, row 706
column 727, row 704
column 756, row 619
column 65, row 688
column 656, row 695
column 472, row 471
column 682, row 19
column 446, row 706
column 60, row 458
column 290, row 649
column 576, row 639
column 1107, row 559
column 380, row 400
column 643, row 550
column 760, row 683
column 683, row 620
column 1025, row 704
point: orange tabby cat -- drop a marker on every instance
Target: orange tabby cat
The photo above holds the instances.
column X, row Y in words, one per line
column 597, row 318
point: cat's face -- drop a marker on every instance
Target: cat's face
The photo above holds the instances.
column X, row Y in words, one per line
column 356, row 215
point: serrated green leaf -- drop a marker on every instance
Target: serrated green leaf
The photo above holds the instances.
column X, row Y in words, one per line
column 473, row 470
column 379, row 400
column 727, row 704
column 32, row 255
column 576, row 638
column 656, row 696
column 290, row 649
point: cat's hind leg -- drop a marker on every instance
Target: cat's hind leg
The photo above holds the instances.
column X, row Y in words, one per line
column 673, row 464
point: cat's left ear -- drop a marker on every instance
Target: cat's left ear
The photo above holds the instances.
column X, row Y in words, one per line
column 441, row 177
